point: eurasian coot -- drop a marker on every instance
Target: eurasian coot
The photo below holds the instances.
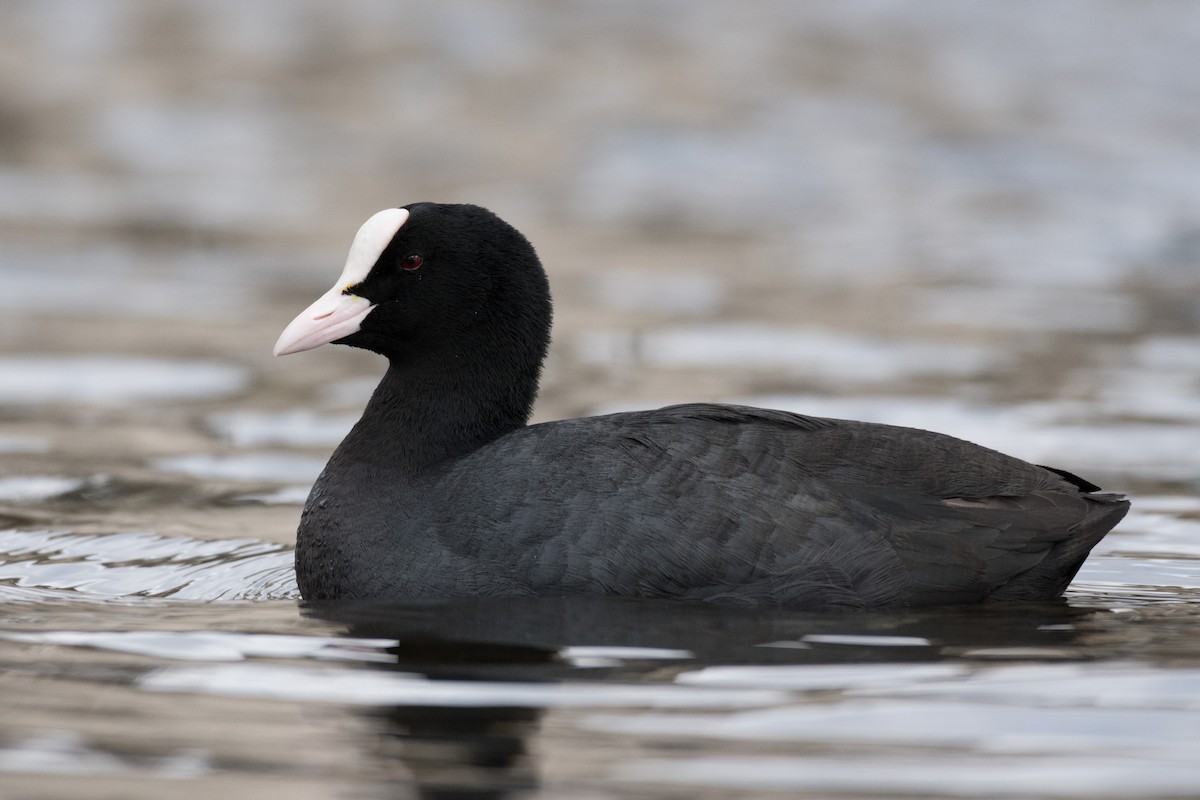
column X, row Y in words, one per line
column 443, row 490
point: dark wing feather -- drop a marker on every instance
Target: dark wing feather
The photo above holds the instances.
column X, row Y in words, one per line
column 870, row 513
column 750, row 506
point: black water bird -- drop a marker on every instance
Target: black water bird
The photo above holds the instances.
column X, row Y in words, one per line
column 443, row 490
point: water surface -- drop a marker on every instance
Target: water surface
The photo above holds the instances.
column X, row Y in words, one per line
column 975, row 219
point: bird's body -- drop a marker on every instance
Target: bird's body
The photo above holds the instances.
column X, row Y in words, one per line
column 442, row 490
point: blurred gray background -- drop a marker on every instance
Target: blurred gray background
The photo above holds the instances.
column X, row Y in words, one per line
column 977, row 217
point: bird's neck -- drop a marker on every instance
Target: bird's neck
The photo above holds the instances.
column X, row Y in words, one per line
column 428, row 410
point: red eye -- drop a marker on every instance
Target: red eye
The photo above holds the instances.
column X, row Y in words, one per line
column 411, row 262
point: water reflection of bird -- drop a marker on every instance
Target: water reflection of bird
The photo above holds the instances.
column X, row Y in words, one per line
column 441, row 489
column 491, row 741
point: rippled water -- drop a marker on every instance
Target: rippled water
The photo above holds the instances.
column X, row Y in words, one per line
column 976, row 219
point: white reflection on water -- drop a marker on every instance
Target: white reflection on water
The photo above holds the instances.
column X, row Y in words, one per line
column 286, row 496
column 1107, row 685
column 1113, row 709
column 1060, row 726
column 1150, row 577
column 280, row 467
column 1160, row 533
column 1168, row 503
column 296, row 427
column 107, row 380
column 1112, row 775
column 213, row 645
column 283, row 682
column 27, row 488
column 237, row 646
column 144, row 565
column 599, row 656
column 822, row 677
column 1095, row 709
column 866, row 640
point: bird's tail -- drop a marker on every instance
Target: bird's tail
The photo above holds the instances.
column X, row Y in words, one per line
column 1055, row 572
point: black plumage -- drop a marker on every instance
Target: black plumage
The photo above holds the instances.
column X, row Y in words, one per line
column 442, row 489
